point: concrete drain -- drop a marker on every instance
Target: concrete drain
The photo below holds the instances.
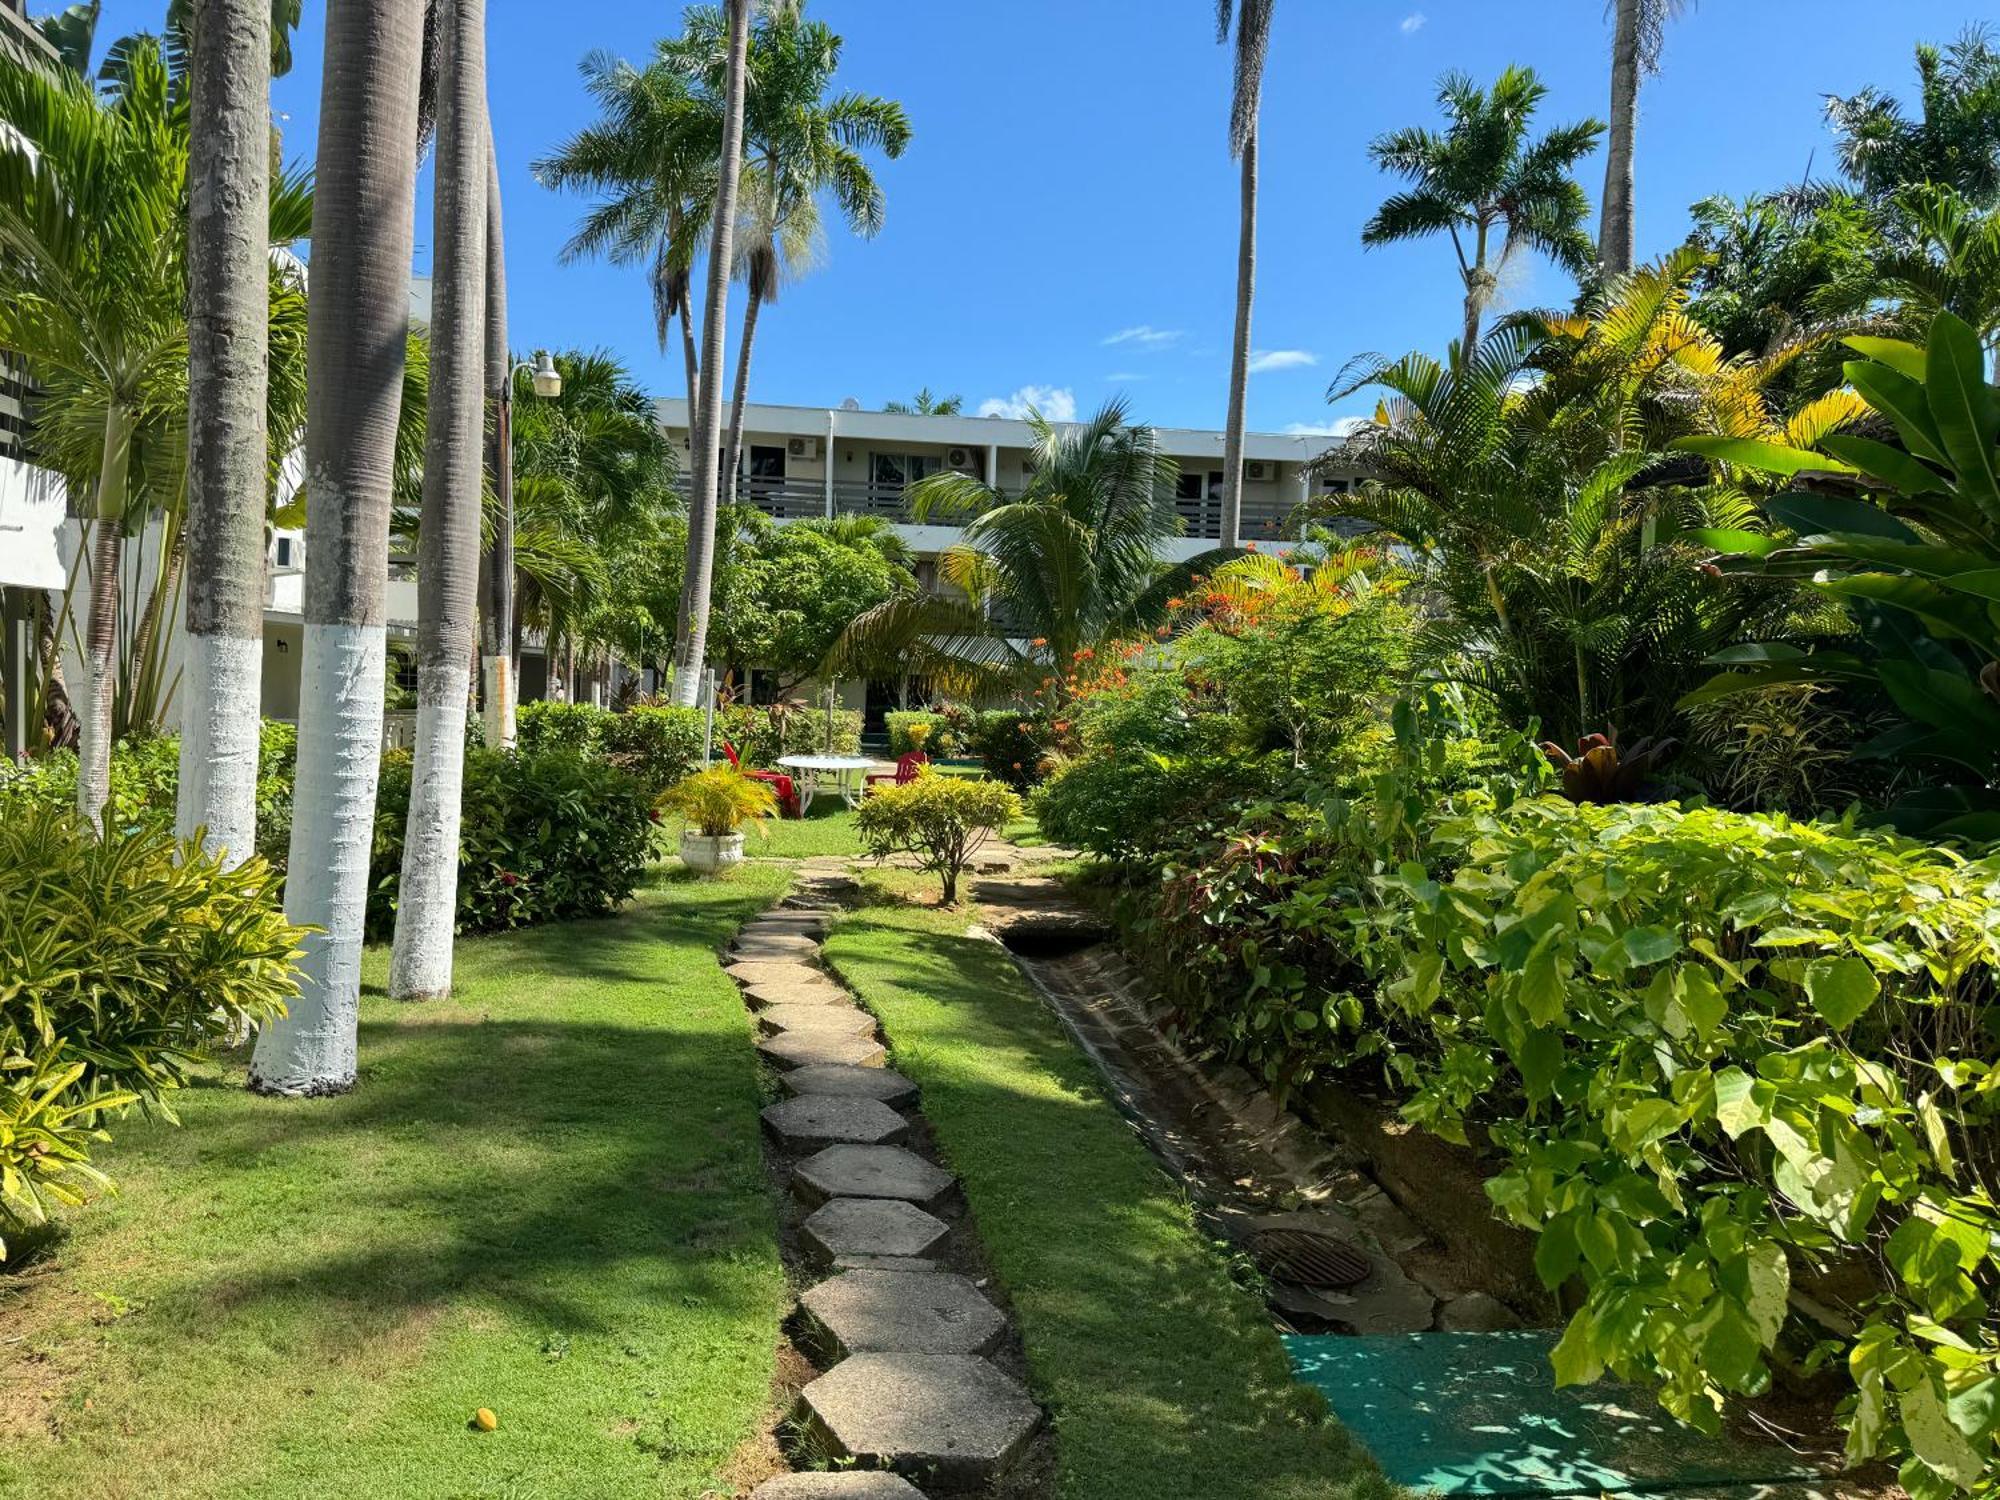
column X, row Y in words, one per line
column 1318, row 1262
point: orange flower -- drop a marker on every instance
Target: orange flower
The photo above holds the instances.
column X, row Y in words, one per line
column 1022, row 727
column 1176, row 602
column 1249, row 546
column 1062, row 726
column 1040, row 640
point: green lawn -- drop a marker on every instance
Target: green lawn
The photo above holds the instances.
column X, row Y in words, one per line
column 1163, row 1377
column 546, row 1197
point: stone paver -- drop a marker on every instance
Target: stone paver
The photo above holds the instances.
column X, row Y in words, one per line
column 827, row 1120
column 793, row 992
column 870, row 1172
column 891, row 1087
column 804, row 1049
column 885, row 1227
column 900, row 1312
column 852, row 1484
column 807, row 924
column 950, row 1420
column 777, row 947
column 769, row 971
column 816, row 1020
column 914, row 1263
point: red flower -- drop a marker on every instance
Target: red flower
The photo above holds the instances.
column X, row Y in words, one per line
column 508, row 877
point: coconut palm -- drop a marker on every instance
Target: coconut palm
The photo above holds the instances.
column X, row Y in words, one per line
column 924, row 404
column 1488, row 186
column 1073, row 561
column 1253, row 34
column 1639, row 33
column 362, row 233
column 448, row 541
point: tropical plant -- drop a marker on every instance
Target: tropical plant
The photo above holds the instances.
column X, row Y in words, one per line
column 362, row 232
column 720, row 801
column 1639, row 34
column 1070, row 562
column 1488, row 186
column 943, row 820
column 924, row 404
column 1946, row 260
column 1777, row 266
column 1955, row 142
column 72, row 32
column 1252, row 20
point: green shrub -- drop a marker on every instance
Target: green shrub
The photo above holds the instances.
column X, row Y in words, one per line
column 1015, row 745
column 761, row 735
column 720, row 800
column 544, row 837
column 943, row 820
column 934, row 733
column 122, row 961
column 544, row 724
column 659, row 746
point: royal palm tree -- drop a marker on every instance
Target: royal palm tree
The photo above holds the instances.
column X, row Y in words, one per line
column 1073, row 561
column 496, row 582
column 362, row 232
column 449, row 534
column 1253, row 35
column 1639, row 33
column 924, row 404
column 1488, row 186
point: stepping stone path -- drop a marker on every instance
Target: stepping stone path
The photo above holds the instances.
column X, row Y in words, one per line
column 910, row 1395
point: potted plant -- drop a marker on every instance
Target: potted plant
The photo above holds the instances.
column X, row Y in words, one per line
column 715, row 805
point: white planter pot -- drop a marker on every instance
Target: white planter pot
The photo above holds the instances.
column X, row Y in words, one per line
column 708, row 854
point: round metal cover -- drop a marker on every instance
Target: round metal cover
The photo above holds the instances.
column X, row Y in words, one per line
column 1307, row 1259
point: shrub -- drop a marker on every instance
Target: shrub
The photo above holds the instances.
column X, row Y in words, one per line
column 1016, row 746
column 544, row 836
column 761, row 735
column 121, row 961
column 921, row 729
column 943, row 820
column 658, row 746
column 544, row 724
column 721, row 800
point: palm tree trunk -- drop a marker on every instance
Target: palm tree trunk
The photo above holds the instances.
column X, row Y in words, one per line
column 693, row 363
column 721, row 256
column 496, row 612
column 144, row 702
column 1615, row 232
column 229, row 173
column 1239, row 362
column 58, row 717
column 733, row 454
column 448, row 532
column 93, row 742
column 358, row 322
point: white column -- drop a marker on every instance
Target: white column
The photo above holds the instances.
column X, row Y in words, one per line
column 993, row 466
column 827, row 468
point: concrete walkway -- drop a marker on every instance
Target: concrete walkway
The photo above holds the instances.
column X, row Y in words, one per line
column 909, row 1396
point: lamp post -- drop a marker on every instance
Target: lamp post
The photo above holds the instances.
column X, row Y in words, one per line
column 499, row 684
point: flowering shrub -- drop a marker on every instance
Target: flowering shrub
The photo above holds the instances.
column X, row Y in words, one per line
column 935, row 732
column 661, row 744
column 943, row 820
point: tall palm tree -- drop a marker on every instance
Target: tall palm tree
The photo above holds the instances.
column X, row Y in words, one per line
column 1253, row 35
column 1955, row 141
column 1639, row 33
column 1488, row 186
column 496, row 584
column 1950, row 262
column 362, row 232
column 1072, row 561
column 924, row 404
column 448, row 539
column 229, row 170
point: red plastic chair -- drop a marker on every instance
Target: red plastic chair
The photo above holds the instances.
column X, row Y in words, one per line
column 907, row 769
column 787, row 791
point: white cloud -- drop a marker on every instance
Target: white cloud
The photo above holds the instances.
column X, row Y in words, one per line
column 1339, row 427
column 1413, row 23
column 1145, row 335
column 1057, row 403
column 1127, row 375
column 1280, row 359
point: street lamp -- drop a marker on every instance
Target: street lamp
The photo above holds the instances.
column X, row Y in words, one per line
column 499, row 664
column 548, row 379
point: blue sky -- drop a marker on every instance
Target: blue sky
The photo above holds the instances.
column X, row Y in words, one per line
column 1069, row 182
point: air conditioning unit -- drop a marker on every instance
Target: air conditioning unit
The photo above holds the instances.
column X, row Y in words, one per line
column 1256, row 470
column 802, row 447
column 959, row 458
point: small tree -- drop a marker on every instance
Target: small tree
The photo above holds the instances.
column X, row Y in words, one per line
column 943, row 820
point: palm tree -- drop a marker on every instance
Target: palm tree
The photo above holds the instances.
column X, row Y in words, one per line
column 924, row 404
column 1484, row 178
column 1073, row 561
column 496, row 583
column 359, row 316
column 1950, row 263
column 1955, row 142
column 448, row 540
column 228, row 449
column 1253, row 35
column 1639, row 34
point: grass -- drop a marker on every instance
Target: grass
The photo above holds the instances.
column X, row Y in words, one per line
column 546, row 1197
column 1162, row 1376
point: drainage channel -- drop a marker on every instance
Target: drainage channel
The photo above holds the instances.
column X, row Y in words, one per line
column 1435, row 1376
column 916, row 1387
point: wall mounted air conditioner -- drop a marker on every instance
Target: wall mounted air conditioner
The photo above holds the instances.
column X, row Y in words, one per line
column 959, row 458
column 802, row 447
column 1256, row 470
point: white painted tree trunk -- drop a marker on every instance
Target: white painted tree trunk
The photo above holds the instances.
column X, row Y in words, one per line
column 448, row 533
column 498, row 687
column 229, row 170
column 358, row 321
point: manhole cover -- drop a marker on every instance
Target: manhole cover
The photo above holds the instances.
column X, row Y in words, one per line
column 1307, row 1259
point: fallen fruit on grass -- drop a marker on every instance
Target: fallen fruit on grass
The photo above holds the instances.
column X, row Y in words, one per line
column 484, row 1419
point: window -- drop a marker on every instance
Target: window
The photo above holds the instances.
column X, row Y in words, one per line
column 284, row 552
column 1188, row 486
column 894, row 470
column 767, row 462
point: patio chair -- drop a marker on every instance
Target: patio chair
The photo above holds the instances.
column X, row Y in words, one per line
column 782, row 785
column 908, row 768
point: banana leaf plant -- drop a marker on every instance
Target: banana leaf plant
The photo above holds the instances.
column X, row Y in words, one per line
column 1908, row 538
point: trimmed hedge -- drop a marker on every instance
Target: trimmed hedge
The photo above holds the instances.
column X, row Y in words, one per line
column 660, row 745
column 936, row 734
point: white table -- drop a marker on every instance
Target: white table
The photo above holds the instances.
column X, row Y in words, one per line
column 848, row 774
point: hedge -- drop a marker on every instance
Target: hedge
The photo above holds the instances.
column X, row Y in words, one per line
column 660, row 745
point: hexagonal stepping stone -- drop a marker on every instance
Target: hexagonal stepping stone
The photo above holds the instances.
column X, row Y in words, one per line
column 821, row 1020
column 824, row 1120
column 870, row 1172
column 850, row 1484
column 805, row 1049
column 820, row 991
column 873, row 1227
column 950, row 1420
column 891, row 1087
column 901, row 1312
column 769, row 971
